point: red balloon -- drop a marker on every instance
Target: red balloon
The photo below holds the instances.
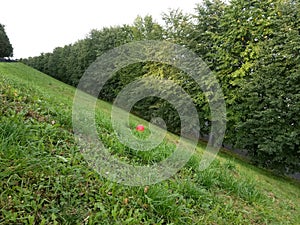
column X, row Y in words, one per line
column 140, row 127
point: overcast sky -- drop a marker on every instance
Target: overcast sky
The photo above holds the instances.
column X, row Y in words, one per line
column 35, row 26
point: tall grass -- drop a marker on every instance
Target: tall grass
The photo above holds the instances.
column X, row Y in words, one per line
column 45, row 180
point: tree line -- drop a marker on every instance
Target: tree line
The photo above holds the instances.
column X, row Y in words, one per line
column 253, row 48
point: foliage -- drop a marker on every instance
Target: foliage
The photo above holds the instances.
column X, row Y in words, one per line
column 271, row 98
column 6, row 49
column 241, row 28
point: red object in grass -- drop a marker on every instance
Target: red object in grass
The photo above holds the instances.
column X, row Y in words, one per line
column 140, row 128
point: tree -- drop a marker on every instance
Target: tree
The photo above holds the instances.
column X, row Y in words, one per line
column 6, row 49
column 207, row 28
column 146, row 29
column 178, row 27
column 244, row 25
column 269, row 128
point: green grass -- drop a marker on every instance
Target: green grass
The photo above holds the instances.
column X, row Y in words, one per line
column 44, row 179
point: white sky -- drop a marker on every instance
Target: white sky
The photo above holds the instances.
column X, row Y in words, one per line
column 35, row 26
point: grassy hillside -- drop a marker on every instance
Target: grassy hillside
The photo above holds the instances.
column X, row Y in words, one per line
column 45, row 180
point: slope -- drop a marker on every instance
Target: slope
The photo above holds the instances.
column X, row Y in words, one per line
column 45, row 180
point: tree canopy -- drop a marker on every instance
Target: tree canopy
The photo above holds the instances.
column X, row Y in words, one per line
column 6, row 49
